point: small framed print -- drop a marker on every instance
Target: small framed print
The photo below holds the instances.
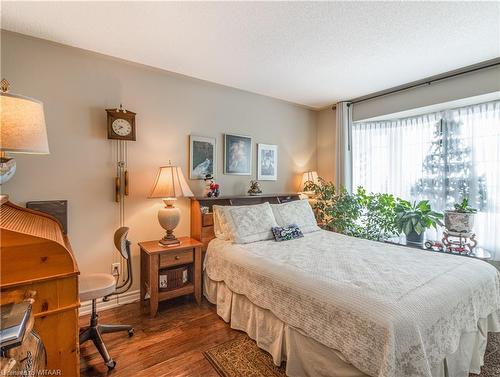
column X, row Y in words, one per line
column 202, row 156
column 237, row 154
column 267, row 162
column 163, row 281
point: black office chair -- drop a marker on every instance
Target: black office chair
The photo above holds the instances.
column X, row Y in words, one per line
column 94, row 286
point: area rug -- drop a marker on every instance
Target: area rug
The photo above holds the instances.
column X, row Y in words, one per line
column 242, row 358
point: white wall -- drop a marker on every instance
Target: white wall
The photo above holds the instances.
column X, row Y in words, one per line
column 76, row 86
column 326, row 133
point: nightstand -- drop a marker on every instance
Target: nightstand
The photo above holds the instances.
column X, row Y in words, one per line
column 155, row 257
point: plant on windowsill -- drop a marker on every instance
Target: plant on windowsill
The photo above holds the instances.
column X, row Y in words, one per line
column 378, row 220
column 414, row 219
column 460, row 219
column 335, row 209
column 370, row 216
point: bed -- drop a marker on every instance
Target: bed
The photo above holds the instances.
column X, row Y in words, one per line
column 332, row 305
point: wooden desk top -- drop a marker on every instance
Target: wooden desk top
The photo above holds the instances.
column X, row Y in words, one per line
column 154, row 247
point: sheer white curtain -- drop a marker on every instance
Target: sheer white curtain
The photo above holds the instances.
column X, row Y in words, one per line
column 388, row 156
column 393, row 156
column 482, row 133
column 343, row 148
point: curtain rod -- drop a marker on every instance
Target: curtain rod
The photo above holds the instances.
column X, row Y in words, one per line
column 427, row 81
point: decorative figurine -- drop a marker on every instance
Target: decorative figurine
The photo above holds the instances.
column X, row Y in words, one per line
column 254, row 188
column 212, row 189
column 434, row 245
column 462, row 243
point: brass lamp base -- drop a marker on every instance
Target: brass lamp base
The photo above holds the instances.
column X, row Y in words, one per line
column 164, row 242
column 169, row 240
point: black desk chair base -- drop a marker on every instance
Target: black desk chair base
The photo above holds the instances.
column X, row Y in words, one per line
column 94, row 333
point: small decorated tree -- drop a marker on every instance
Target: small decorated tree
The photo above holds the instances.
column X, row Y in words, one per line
column 448, row 170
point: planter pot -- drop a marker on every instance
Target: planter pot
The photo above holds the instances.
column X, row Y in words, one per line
column 458, row 222
column 414, row 238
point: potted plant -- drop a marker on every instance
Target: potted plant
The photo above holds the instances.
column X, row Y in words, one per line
column 336, row 209
column 358, row 214
column 460, row 219
column 414, row 219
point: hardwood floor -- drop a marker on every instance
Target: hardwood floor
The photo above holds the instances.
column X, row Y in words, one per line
column 171, row 344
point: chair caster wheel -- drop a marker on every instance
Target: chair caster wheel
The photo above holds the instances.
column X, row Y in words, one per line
column 130, row 332
column 111, row 364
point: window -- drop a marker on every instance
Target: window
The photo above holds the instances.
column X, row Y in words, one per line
column 441, row 157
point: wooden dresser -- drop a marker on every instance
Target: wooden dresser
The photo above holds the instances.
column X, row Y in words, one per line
column 36, row 260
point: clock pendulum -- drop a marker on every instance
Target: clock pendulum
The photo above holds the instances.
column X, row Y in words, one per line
column 121, row 128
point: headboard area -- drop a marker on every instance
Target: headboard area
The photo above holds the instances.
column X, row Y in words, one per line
column 202, row 222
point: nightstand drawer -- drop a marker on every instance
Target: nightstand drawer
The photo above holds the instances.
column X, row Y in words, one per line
column 176, row 257
column 207, row 219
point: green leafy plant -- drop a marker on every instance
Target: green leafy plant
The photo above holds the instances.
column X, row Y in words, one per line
column 367, row 215
column 464, row 207
column 336, row 210
column 363, row 215
column 378, row 215
column 416, row 217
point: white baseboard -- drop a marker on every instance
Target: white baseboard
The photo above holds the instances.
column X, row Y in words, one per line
column 124, row 298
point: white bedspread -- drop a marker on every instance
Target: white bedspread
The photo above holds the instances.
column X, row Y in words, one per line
column 392, row 311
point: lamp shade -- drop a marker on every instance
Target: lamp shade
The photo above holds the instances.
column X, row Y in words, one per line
column 22, row 125
column 310, row 176
column 170, row 183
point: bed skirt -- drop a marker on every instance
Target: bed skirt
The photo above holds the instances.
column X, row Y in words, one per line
column 307, row 357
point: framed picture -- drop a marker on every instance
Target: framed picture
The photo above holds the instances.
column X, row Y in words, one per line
column 202, row 156
column 163, row 281
column 267, row 162
column 237, row 154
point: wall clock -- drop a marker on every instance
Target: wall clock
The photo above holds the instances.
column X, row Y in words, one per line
column 121, row 124
column 121, row 130
column 121, row 127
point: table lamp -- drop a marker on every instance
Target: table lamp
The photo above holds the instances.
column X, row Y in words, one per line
column 309, row 176
column 170, row 184
column 22, row 129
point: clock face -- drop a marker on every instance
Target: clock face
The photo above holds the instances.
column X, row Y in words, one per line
column 121, row 127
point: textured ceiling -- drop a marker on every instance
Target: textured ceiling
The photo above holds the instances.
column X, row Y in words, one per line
column 310, row 53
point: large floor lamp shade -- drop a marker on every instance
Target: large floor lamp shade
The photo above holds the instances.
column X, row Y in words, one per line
column 22, row 129
column 169, row 185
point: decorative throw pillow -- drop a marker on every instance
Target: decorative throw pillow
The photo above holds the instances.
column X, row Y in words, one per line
column 288, row 233
column 251, row 223
column 298, row 212
column 220, row 223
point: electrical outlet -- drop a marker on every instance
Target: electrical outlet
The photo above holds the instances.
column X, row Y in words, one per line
column 115, row 269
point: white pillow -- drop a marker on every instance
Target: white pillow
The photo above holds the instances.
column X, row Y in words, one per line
column 251, row 223
column 220, row 223
column 298, row 212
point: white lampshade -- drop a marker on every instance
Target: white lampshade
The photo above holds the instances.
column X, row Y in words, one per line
column 170, row 183
column 310, row 176
column 22, row 125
